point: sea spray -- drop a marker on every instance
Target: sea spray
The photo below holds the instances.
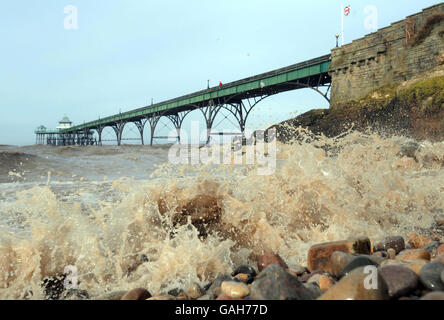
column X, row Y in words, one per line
column 190, row 223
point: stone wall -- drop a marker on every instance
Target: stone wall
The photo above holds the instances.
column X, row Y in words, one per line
column 391, row 55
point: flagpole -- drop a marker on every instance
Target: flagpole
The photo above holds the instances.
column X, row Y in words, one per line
column 342, row 16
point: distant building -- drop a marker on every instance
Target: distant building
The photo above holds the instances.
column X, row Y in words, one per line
column 65, row 123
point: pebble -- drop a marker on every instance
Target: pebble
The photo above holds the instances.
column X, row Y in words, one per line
column 182, row 296
column 357, row 262
column 418, row 241
column 162, row 298
column 326, row 282
column 413, row 254
column 395, row 242
column 308, row 276
column 351, row 287
column 235, row 290
column 224, row 296
column 440, row 257
column 270, row 258
column 339, row 260
column 194, row 291
column 440, row 249
column 274, row 283
column 205, row 297
column 414, row 265
column 314, row 278
column 391, row 253
column 116, row 295
column 297, row 271
column 381, row 254
column 243, row 270
column 319, row 255
column 432, row 248
column 76, row 294
column 314, row 289
column 400, row 280
column 243, row 277
column 175, row 292
column 136, row 294
column 435, row 295
column 430, row 276
column 215, row 288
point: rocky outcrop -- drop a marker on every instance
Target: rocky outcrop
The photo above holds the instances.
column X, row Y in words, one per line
column 413, row 108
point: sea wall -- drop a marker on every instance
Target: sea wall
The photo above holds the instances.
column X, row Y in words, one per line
column 391, row 55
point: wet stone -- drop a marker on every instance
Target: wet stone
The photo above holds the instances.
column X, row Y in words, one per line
column 432, row 248
column 319, row 255
column 116, row 295
column 76, row 294
column 314, row 288
column 298, row 270
column 326, row 282
column 430, row 276
column 440, row 257
column 414, row 265
column 395, row 242
column 353, row 287
column 391, row 253
column 247, row 270
column 235, row 290
column 436, row 295
column 194, row 291
column 136, row 294
column 274, row 283
column 270, row 258
column 400, row 280
column 308, row 276
column 357, row 262
column 419, row 241
column 175, row 292
column 440, row 249
column 215, row 287
column 381, row 254
column 413, row 254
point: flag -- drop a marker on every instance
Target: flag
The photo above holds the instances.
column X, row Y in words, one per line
column 347, row 10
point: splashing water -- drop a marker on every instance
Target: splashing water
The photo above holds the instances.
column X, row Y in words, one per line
column 188, row 224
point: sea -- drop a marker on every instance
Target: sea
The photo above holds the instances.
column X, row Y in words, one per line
column 123, row 217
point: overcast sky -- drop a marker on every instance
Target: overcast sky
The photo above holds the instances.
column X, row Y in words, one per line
column 126, row 52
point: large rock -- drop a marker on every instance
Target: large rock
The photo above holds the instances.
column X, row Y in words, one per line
column 319, row 255
column 430, row 276
column 353, row 287
column 400, row 280
column 274, row 283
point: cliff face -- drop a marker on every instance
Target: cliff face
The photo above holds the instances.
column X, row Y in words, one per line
column 413, row 108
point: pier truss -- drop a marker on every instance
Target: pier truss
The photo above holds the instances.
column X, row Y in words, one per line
column 236, row 98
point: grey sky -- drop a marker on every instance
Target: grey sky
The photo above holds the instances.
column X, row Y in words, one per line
column 127, row 52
